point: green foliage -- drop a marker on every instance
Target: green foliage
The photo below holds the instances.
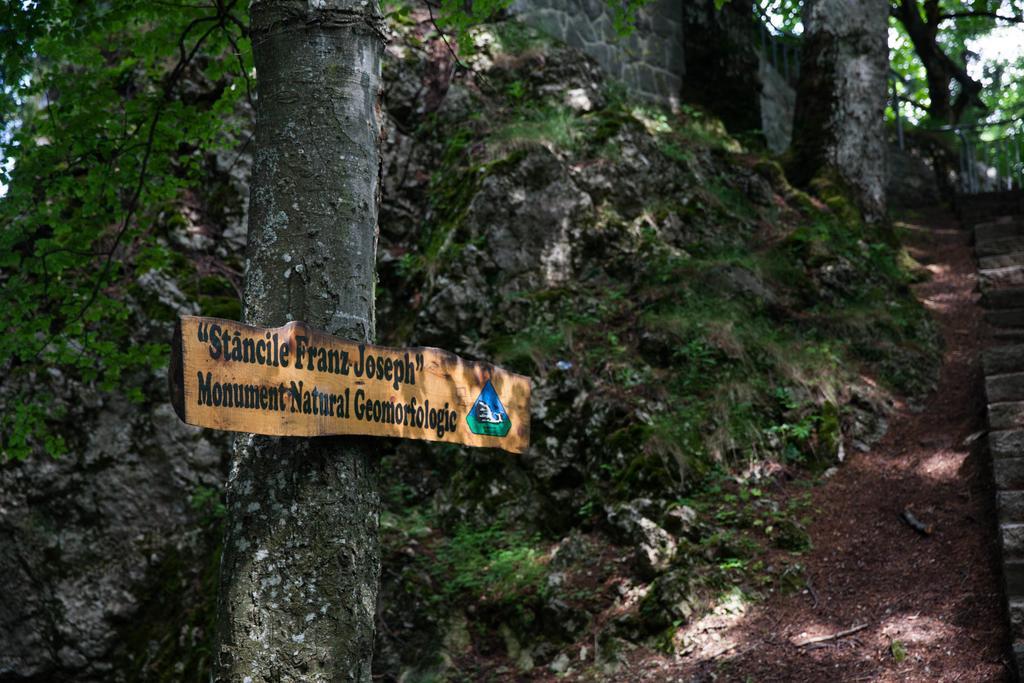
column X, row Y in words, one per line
column 457, row 17
column 1002, row 97
column 206, row 501
column 624, row 14
column 747, row 523
column 105, row 138
column 554, row 127
column 491, row 565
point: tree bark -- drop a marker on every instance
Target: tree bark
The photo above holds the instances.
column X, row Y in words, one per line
column 838, row 126
column 301, row 559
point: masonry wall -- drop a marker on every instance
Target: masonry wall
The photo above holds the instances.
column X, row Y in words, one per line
column 650, row 60
column 728, row 73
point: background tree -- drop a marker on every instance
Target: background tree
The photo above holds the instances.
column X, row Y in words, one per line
column 301, row 552
column 939, row 31
column 841, row 96
column 108, row 113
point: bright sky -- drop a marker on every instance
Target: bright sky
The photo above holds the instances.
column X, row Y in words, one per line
column 1004, row 43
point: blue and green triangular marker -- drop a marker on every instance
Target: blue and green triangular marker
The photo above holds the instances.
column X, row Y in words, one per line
column 488, row 416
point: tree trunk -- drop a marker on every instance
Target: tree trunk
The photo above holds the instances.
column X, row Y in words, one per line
column 301, row 557
column 838, row 126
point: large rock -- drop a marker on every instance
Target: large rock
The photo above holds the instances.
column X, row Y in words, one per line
column 527, row 219
column 654, row 547
column 86, row 541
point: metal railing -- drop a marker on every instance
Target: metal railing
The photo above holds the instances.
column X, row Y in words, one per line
column 780, row 49
column 989, row 165
column 985, row 163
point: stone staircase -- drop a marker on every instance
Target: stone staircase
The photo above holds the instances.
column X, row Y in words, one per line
column 997, row 222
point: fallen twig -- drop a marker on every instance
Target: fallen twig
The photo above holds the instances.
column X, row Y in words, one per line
column 814, row 593
column 916, row 524
column 834, row 636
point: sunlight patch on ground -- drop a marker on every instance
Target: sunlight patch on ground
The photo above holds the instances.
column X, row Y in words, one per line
column 942, row 465
column 715, row 634
column 914, row 629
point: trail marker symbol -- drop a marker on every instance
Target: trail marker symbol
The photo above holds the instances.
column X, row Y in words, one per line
column 488, row 416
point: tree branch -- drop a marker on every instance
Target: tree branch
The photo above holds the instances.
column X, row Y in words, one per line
column 989, row 15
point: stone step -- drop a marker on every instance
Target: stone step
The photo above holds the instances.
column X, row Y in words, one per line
column 1001, row 261
column 1005, row 245
column 1010, row 505
column 1002, row 360
column 1010, row 297
column 990, row 203
column 1015, row 608
column 992, row 212
column 1008, row 415
column 1008, row 473
column 1013, row 317
column 1012, row 537
column 1008, row 335
column 997, row 278
column 985, row 233
column 1005, row 387
column 1006, row 443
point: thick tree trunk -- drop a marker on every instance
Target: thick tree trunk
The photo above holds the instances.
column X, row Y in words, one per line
column 838, row 127
column 301, row 558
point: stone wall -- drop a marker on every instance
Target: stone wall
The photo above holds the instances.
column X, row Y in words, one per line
column 727, row 74
column 650, row 60
column 997, row 219
column 778, row 102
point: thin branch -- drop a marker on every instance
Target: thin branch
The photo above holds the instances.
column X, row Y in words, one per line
column 241, row 65
column 912, row 102
column 988, row 15
column 834, row 636
column 451, row 50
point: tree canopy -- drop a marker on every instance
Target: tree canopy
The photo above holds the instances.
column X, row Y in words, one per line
column 109, row 111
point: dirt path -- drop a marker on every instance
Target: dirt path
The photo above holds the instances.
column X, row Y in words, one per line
column 924, row 608
column 938, row 597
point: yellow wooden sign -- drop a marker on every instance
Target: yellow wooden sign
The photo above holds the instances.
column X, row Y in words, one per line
column 297, row 381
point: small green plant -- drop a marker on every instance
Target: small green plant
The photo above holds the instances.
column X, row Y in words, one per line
column 516, row 90
column 206, row 501
column 491, row 564
column 898, row 651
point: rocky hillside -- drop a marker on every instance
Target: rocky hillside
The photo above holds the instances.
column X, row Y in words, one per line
column 696, row 329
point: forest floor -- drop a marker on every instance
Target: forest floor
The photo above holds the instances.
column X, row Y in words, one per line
column 928, row 608
column 917, row 607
